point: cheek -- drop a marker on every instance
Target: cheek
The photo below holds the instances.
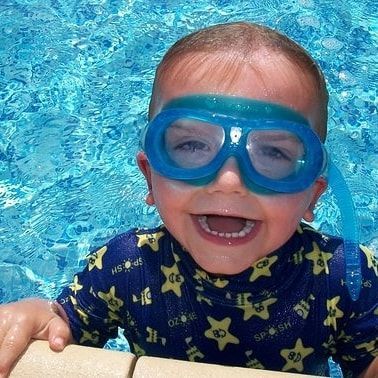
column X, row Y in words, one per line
column 289, row 208
column 169, row 195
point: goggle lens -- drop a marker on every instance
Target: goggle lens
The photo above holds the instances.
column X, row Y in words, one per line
column 191, row 143
column 275, row 154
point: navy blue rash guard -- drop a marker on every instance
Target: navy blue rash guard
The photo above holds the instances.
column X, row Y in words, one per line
column 289, row 312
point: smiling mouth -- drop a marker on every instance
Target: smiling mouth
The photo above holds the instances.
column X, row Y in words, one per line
column 226, row 227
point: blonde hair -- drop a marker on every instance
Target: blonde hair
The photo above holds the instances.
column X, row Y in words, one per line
column 243, row 40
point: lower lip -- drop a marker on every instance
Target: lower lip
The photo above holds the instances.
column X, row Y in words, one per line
column 219, row 240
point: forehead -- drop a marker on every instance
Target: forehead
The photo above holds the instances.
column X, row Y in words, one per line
column 267, row 76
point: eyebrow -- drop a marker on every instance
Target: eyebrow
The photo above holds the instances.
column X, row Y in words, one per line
column 278, row 137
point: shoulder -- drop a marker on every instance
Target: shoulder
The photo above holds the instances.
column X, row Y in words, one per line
column 128, row 250
column 323, row 241
column 329, row 250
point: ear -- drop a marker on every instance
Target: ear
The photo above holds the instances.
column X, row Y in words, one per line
column 319, row 188
column 145, row 168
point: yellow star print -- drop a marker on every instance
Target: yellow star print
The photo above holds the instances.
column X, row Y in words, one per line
column 87, row 336
column 253, row 363
column 220, row 282
column 299, row 229
column 319, row 258
column 334, row 312
column 201, row 298
column 73, row 300
column 112, row 317
column 202, row 275
column 348, row 357
column 369, row 347
column 219, row 332
column 145, row 298
column 371, row 259
column 294, row 357
column 75, row 286
column 173, row 281
column 330, row 344
column 152, row 240
column 343, row 336
column 303, row 227
column 114, row 303
column 259, row 309
column 95, row 259
column 139, row 351
column 262, row 268
column 82, row 314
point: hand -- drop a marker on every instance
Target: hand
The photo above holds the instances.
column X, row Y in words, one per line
column 30, row 319
column 371, row 371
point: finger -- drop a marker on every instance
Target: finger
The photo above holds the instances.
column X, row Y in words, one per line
column 59, row 334
column 13, row 344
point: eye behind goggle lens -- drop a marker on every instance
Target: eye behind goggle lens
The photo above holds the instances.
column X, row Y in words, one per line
column 275, row 154
column 192, row 143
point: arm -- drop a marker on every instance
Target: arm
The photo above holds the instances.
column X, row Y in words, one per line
column 30, row 319
column 371, row 371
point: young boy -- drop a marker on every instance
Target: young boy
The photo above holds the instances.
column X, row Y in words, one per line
column 233, row 160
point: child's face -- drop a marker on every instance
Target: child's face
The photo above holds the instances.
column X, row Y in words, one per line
column 226, row 202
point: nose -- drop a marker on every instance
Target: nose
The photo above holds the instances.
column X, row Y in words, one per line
column 228, row 179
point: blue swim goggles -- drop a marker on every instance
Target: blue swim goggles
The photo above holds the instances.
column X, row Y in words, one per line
column 275, row 147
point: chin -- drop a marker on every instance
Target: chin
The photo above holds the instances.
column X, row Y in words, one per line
column 222, row 265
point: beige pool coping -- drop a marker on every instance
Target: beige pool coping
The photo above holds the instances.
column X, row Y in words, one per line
column 39, row 361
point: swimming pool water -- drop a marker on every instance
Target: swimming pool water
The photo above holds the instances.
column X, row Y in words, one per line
column 75, row 78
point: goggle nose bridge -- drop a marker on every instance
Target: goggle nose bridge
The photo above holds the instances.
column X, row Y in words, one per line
column 236, row 133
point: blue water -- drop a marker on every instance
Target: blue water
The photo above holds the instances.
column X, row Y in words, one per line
column 75, row 78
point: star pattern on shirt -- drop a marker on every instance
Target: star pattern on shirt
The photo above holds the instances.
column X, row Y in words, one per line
column 253, row 363
column 173, row 279
column 113, row 303
column 262, row 268
column 220, row 282
column 201, row 298
column 138, row 350
column 75, row 286
column 220, row 333
column 112, row 317
column 202, row 275
column 348, row 357
column 344, row 337
column 95, row 259
column 152, row 240
column 319, row 258
column 334, row 312
column 92, row 337
column 259, row 309
column 82, row 314
column 294, row 357
column 371, row 259
column 370, row 347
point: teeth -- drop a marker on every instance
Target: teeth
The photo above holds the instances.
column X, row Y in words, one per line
column 228, row 235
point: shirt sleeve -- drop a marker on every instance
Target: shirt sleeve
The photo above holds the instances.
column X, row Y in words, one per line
column 357, row 344
column 94, row 301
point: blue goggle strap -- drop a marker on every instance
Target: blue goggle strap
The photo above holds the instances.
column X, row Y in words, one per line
column 349, row 230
